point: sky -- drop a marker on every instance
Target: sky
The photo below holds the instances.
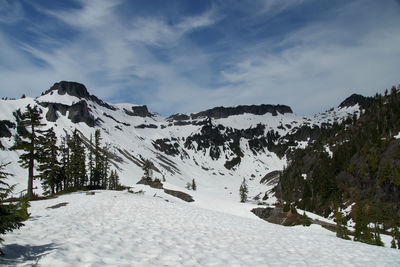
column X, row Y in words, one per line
column 190, row 55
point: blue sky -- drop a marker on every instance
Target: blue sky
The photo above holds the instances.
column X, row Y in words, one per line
column 187, row 56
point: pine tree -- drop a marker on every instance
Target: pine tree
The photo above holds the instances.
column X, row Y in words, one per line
column 77, row 161
column 243, row 191
column 194, row 186
column 28, row 141
column 91, row 162
column 11, row 215
column 106, row 166
column 113, row 181
column 65, row 164
column 49, row 166
column 147, row 170
column 98, row 160
column 340, row 227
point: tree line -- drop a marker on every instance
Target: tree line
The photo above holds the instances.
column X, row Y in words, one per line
column 74, row 164
column 364, row 169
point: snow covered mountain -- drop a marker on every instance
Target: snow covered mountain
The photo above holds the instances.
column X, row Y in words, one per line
column 217, row 147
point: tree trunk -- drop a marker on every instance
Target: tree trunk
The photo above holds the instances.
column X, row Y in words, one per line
column 30, row 178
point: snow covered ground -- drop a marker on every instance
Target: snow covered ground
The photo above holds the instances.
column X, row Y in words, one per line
column 114, row 228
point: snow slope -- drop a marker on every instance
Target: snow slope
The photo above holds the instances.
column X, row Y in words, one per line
column 123, row 229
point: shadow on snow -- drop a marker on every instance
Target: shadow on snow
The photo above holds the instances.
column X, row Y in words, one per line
column 15, row 254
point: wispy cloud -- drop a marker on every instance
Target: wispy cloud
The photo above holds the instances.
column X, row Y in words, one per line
column 226, row 54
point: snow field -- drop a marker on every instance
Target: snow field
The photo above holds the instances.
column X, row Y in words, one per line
column 114, row 228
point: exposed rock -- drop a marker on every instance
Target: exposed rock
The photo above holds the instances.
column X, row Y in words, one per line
column 142, row 126
column 165, row 145
column 179, row 194
column 140, row 111
column 278, row 216
column 152, row 183
column 178, row 117
column 5, row 125
column 70, row 88
column 79, row 113
column 51, row 114
column 356, row 99
column 224, row 112
column 78, row 90
column 271, row 177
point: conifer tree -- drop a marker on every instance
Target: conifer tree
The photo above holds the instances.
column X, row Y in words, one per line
column 147, row 170
column 194, row 186
column 65, row 166
column 98, row 160
column 11, row 215
column 29, row 123
column 113, row 181
column 49, row 166
column 77, row 161
column 106, row 166
column 243, row 191
column 91, row 162
column 340, row 227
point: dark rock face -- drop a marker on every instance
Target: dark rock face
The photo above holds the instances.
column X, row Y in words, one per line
column 142, row 126
column 178, row 117
column 76, row 89
column 79, row 112
column 356, row 99
column 224, row 112
column 154, row 184
column 179, row 194
column 51, row 114
column 140, row 111
column 70, row 88
column 270, row 177
column 165, row 145
column 4, row 126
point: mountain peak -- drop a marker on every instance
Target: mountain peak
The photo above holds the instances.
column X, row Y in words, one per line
column 71, row 88
column 224, row 112
column 355, row 99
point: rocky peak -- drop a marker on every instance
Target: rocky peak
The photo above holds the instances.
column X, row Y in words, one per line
column 140, row 111
column 224, row 112
column 71, row 88
column 355, row 99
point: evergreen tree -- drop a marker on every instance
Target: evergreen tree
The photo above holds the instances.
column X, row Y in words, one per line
column 243, row 191
column 11, row 215
column 113, row 181
column 147, row 170
column 362, row 232
column 65, row 166
column 49, row 165
column 106, row 166
column 77, row 161
column 98, row 160
column 194, row 186
column 91, row 162
column 28, row 142
column 340, row 227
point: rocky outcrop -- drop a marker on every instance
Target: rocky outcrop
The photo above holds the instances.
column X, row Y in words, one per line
column 152, row 183
column 70, row 88
column 178, row 117
column 140, row 111
column 78, row 112
column 355, row 99
column 224, row 112
column 4, row 128
column 179, row 194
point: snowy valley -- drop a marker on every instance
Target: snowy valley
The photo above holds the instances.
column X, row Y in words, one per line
column 144, row 226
